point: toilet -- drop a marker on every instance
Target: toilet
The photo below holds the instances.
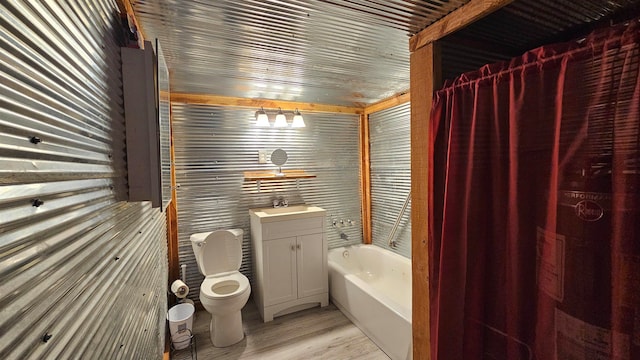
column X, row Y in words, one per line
column 224, row 291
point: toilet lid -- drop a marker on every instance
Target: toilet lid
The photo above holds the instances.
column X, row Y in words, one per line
column 221, row 252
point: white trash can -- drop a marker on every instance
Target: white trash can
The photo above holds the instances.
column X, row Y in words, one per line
column 180, row 324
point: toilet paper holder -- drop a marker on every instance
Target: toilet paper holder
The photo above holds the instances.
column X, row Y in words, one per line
column 179, row 289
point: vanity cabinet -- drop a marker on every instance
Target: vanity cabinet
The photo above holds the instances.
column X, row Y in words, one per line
column 290, row 260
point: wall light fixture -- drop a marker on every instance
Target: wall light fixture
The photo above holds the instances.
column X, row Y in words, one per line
column 279, row 119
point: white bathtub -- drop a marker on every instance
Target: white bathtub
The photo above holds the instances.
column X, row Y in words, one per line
column 372, row 287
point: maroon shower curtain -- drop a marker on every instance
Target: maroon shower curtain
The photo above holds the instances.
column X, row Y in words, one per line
column 534, row 205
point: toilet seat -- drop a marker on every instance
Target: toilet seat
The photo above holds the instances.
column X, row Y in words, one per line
column 228, row 286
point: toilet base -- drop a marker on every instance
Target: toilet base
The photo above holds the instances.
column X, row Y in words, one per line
column 226, row 330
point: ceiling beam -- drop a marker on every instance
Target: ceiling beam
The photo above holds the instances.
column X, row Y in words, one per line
column 388, row 103
column 456, row 20
column 203, row 99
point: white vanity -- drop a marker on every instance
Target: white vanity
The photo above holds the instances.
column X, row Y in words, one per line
column 289, row 259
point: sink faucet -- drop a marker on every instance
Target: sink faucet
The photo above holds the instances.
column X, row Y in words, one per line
column 282, row 202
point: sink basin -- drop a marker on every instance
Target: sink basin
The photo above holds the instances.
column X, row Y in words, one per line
column 286, row 210
column 286, row 213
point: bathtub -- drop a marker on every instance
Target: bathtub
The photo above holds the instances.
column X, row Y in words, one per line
column 372, row 287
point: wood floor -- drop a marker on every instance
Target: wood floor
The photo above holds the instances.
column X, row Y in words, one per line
column 317, row 333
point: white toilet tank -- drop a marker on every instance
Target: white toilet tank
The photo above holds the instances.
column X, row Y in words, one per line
column 218, row 251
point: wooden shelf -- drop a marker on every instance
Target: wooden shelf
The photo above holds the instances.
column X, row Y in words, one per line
column 270, row 175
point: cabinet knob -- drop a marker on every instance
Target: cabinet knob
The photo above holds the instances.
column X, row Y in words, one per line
column 293, row 248
column 298, row 246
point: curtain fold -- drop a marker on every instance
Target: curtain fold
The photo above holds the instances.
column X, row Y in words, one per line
column 534, row 205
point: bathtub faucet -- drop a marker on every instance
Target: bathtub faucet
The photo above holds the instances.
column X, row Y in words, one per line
column 334, row 223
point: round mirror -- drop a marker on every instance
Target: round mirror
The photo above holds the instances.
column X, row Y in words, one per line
column 279, row 157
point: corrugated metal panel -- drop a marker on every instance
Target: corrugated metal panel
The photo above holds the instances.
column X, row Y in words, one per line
column 524, row 25
column 538, row 20
column 76, row 264
column 458, row 58
column 410, row 16
column 342, row 52
column 390, row 158
column 332, row 52
column 215, row 145
column 527, row 24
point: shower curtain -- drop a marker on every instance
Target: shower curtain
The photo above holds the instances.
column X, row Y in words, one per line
column 534, row 205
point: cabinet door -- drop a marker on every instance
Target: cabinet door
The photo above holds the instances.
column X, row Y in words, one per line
column 279, row 271
column 312, row 265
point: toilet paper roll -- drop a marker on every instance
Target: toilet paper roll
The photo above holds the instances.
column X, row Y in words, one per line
column 180, row 289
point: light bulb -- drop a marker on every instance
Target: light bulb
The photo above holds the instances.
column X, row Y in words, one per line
column 281, row 120
column 262, row 119
column 298, row 121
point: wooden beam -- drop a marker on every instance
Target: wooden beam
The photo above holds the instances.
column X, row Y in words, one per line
column 167, row 347
column 425, row 77
column 365, row 178
column 126, row 7
column 172, row 217
column 388, row 103
column 205, row 99
column 172, row 242
column 456, row 20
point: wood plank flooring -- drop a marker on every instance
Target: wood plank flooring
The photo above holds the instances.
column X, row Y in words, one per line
column 313, row 334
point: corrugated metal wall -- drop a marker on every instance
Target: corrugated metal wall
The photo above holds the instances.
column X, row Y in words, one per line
column 215, row 145
column 458, row 58
column 390, row 146
column 82, row 273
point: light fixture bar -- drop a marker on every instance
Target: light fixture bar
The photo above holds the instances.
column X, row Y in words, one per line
column 264, row 119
